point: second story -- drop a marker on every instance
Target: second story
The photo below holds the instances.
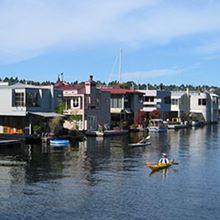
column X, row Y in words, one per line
column 82, row 99
column 200, row 102
column 205, row 103
column 19, row 99
column 180, row 102
column 156, row 100
column 124, row 100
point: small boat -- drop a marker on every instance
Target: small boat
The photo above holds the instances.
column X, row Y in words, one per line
column 59, row 142
column 157, row 125
column 160, row 166
column 139, row 144
column 106, row 133
column 176, row 126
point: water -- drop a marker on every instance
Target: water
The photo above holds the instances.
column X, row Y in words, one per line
column 105, row 179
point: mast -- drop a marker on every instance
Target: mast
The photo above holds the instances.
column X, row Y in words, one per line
column 120, row 65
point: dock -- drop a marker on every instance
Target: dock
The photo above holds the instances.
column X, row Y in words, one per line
column 9, row 163
column 10, row 142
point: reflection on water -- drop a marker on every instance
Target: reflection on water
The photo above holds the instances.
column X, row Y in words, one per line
column 102, row 178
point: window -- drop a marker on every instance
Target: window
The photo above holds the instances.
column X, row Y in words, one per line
column 116, row 102
column 149, row 99
column 76, row 102
column 19, row 99
column 67, row 104
column 201, row 101
column 32, row 99
column 167, row 100
column 174, row 101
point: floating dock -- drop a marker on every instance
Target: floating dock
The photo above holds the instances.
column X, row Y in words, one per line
column 9, row 142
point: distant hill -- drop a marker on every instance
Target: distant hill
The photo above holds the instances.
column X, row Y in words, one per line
column 128, row 85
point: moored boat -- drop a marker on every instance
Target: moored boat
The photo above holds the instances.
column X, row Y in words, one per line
column 106, row 133
column 157, row 125
column 59, row 142
column 176, row 126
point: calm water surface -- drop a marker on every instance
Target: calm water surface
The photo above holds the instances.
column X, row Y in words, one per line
column 105, row 179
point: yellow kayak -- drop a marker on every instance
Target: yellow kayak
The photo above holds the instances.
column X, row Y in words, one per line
column 159, row 166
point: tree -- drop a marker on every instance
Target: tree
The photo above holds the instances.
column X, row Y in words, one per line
column 74, row 119
column 55, row 124
column 60, row 108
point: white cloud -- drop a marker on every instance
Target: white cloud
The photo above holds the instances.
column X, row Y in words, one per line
column 151, row 74
column 29, row 28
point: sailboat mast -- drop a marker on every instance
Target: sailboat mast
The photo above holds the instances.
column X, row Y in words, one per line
column 120, row 65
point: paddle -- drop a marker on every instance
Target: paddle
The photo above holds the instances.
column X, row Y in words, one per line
column 148, row 137
column 152, row 163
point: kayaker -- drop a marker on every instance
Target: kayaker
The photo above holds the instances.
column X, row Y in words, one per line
column 164, row 159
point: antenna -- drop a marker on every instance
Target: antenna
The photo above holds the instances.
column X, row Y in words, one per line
column 120, row 65
column 61, row 77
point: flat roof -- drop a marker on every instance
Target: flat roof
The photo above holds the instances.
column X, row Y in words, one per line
column 46, row 114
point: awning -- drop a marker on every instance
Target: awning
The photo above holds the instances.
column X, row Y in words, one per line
column 47, row 114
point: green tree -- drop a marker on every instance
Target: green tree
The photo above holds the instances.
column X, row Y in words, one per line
column 60, row 108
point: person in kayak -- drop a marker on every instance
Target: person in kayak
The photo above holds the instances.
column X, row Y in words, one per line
column 164, row 159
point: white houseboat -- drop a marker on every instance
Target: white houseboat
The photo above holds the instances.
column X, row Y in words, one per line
column 157, row 125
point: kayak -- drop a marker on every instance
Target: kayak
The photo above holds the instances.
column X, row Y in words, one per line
column 160, row 166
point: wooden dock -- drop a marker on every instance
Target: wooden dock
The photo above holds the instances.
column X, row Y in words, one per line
column 9, row 163
column 9, row 142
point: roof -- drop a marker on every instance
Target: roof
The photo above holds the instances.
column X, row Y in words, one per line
column 46, row 114
column 119, row 91
column 177, row 93
column 71, row 87
column 23, row 86
column 28, row 86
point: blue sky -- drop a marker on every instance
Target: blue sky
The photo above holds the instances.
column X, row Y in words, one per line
column 163, row 41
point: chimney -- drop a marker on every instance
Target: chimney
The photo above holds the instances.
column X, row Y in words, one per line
column 90, row 85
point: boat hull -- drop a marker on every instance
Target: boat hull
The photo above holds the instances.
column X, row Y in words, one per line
column 159, row 166
column 106, row 133
column 157, row 130
column 59, row 142
column 139, row 144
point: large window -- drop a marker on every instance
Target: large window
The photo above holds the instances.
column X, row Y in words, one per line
column 32, row 99
column 201, row 101
column 71, row 103
column 116, row 102
column 19, row 99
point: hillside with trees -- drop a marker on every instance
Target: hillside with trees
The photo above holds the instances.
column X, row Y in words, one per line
column 127, row 85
